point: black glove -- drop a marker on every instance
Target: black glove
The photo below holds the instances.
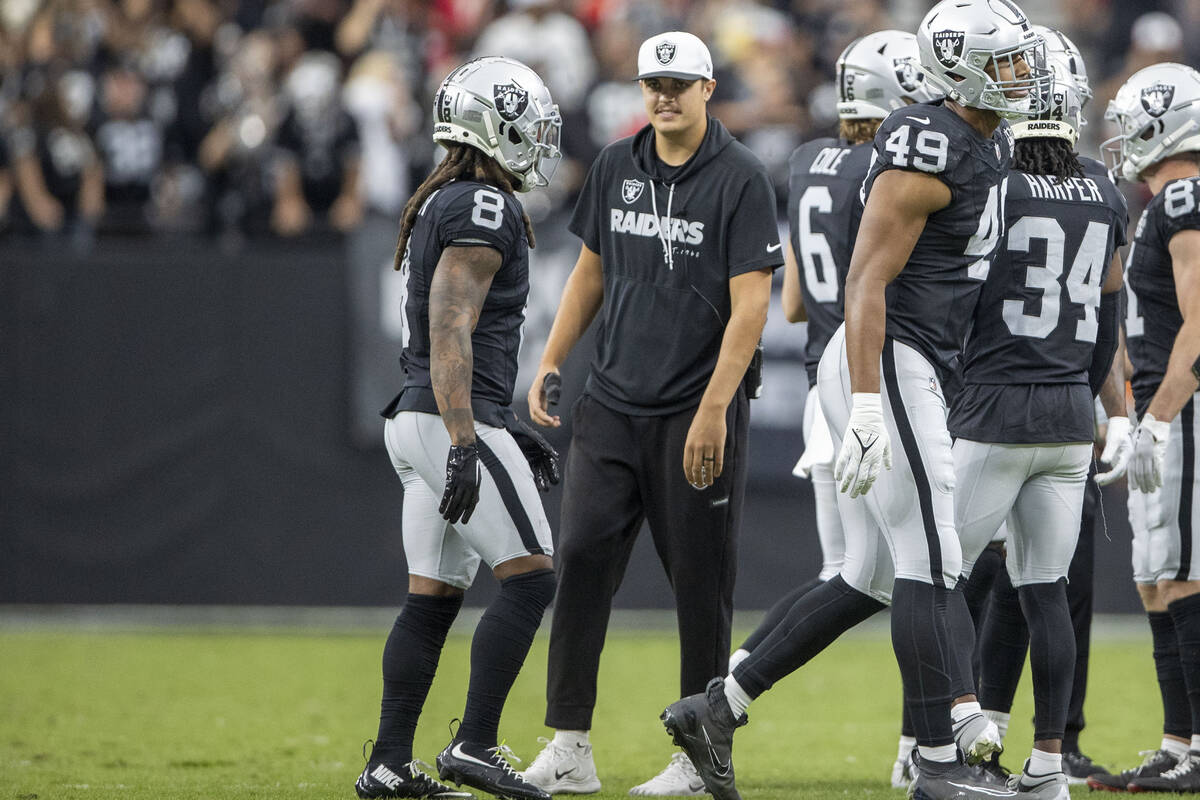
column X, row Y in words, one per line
column 462, row 483
column 541, row 455
column 552, row 386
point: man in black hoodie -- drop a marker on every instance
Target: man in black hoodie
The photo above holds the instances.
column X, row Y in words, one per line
column 679, row 243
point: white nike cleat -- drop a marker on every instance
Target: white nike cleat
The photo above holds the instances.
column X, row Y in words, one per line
column 1051, row 786
column 562, row 769
column 978, row 738
column 679, row 779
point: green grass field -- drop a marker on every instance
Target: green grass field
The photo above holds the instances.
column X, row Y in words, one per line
column 173, row 713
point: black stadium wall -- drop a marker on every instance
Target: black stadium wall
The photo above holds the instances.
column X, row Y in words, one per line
column 185, row 423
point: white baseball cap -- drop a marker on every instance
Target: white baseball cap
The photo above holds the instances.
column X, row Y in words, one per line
column 674, row 54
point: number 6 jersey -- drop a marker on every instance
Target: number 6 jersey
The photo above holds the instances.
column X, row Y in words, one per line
column 1025, row 366
column 1153, row 317
column 930, row 303
column 465, row 214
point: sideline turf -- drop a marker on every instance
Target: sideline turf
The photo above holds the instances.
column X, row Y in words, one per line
column 214, row 715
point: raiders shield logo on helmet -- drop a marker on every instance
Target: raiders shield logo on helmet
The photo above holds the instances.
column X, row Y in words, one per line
column 948, row 45
column 907, row 74
column 1156, row 99
column 631, row 189
column 511, row 100
column 665, row 52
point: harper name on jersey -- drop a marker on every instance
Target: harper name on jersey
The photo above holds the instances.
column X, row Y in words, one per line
column 929, row 303
column 1152, row 313
column 1025, row 366
column 824, row 210
column 467, row 214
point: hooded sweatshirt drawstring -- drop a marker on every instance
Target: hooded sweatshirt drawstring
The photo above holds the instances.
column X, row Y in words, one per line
column 664, row 226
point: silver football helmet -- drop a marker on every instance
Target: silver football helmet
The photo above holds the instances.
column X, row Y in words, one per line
column 1063, row 117
column 1059, row 47
column 961, row 40
column 1158, row 114
column 878, row 73
column 503, row 108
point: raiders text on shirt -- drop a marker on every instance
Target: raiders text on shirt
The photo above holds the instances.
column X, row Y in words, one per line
column 643, row 224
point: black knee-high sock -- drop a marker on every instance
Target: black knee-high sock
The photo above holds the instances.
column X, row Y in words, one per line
column 810, row 625
column 1185, row 613
column 921, row 639
column 962, row 640
column 1002, row 645
column 498, row 650
column 777, row 613
column 410, row 659
column 1177, row 713
column 1051, row 655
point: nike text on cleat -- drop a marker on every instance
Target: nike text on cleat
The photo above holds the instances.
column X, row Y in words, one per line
column 563, row 769
column 679, row 779
column 1184, row 777
column 1050, row 786
column 408, row 780
column 977, row 737
column 486, row 768
column 1155, row 763
column 703, row 726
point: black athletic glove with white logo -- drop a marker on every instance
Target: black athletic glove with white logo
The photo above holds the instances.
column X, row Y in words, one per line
column 541, row 455
column 463, row 475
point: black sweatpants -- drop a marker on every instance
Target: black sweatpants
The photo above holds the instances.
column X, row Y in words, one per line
column 621, row 470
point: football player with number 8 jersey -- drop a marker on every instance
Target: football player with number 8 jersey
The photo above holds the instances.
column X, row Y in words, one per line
column 931, row 221
column 1158, row 113
column 1045, row 332
column 468, row 469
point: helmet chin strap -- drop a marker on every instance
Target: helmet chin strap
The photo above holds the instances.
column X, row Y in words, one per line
column 493, row 140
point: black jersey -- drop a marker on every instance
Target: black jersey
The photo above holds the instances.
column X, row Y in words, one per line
column 467, row 213
column 670, row 239
column 930, row 303
column 1153, row 317
column 1025, row 366
column 823, row 212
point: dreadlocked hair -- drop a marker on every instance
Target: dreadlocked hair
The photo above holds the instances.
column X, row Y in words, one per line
column 462, row 161
column 857, row 131
column 1045, row 156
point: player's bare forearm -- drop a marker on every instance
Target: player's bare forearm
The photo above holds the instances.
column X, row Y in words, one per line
column 1179, row 383
column 750, row 297
column 892, row 221
column 456, row 294
column 581, row 299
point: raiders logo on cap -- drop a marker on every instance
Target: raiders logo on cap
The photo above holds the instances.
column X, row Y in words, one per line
column 631, row 189
column 665, row 52
column 948, row 45
column 907, row 74
column 1156, row 99
column 511, row 100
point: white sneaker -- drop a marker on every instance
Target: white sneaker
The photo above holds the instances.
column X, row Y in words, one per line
column 560, row 769
column 977, row 737
column 679, row 779
column 1052, row 786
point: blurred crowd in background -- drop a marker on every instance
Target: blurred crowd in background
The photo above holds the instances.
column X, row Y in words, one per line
column 278, row 117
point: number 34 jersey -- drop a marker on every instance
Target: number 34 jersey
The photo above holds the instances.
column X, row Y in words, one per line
column 929, row 304
column 1025, row 366
column 823, row 212
column 467, row 214
column 1152, row 314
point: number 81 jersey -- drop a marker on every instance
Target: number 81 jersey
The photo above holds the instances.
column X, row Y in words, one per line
column 467, row 213
column 930, row 303
column 1152, row 315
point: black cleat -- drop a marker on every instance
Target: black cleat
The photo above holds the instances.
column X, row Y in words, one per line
column 992, row 772
column 1183, row 777
column 1078, row 767
column 486, row 769
column 1156, row 763
column 703, row 726
column 380, row 780
column 958, row 781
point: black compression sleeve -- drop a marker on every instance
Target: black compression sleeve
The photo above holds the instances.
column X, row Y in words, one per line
column 1107, row 337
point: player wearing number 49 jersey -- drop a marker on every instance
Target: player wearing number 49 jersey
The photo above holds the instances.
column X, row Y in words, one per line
column 1041, row 346
column 1158, row 113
